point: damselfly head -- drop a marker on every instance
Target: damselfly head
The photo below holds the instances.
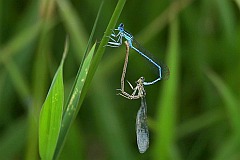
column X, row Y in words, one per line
column 121, row 27
column 140, row 80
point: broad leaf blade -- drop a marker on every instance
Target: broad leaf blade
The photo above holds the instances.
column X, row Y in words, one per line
column 51, row 114
column 50, row 117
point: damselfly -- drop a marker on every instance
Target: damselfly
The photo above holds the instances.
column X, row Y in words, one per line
column 141, row 119
column 116, row 41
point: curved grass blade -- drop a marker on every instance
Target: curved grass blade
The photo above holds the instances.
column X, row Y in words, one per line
column 76, row 97
column 99, row 53
column 51, row 114
column 73, row 102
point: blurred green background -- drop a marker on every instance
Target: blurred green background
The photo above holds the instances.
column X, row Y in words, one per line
column 193, row 115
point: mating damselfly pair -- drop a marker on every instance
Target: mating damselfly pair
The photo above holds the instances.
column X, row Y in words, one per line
column 116, row 40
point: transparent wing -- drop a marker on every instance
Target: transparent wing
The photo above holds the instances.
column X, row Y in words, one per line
column 142, row 128
column 164, row 68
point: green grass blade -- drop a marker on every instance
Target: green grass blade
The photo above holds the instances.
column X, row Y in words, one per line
column 101, row 48
column 84, row 72
column 92, row 33
column 166, row 114
column 75, row 95
column 73, row 102
column 51, row 114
